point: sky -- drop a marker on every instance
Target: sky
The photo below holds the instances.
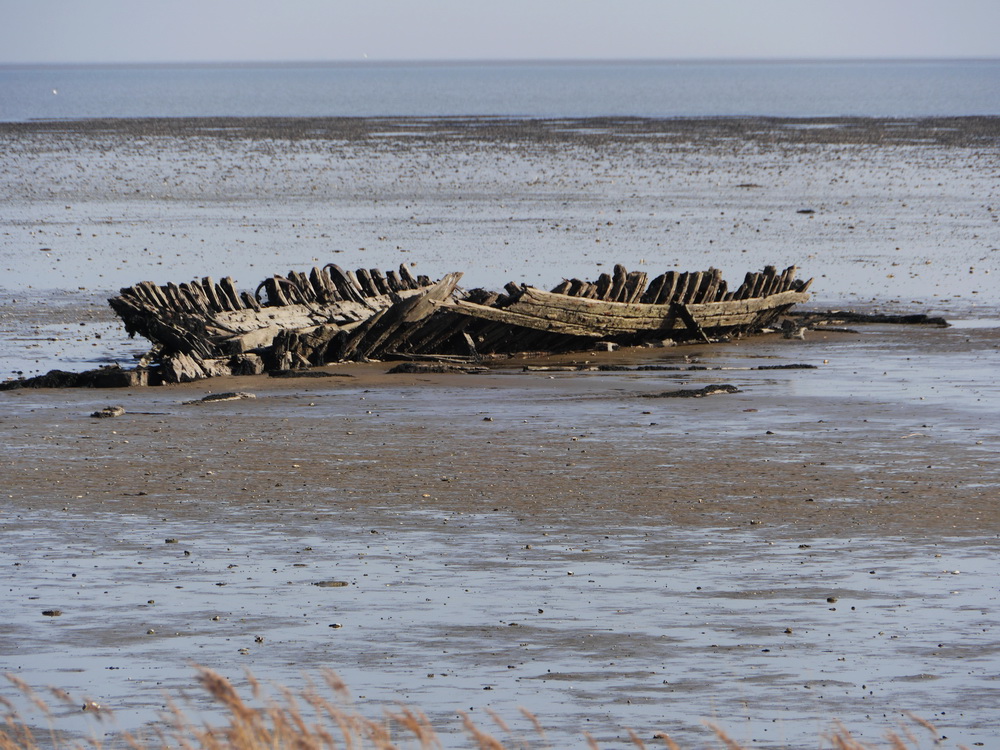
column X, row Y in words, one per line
column 135, row 31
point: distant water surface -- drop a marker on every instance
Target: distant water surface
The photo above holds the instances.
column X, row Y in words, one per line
column 569, row 89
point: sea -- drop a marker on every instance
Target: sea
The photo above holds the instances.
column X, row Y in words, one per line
column 908, row 88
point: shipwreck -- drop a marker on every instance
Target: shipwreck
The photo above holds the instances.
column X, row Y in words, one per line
column 207, row 328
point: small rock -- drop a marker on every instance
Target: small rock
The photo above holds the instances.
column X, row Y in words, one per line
column 708, row 390
column 109, row 412
column 52, row 612
column 231, row 396
column 330, row 584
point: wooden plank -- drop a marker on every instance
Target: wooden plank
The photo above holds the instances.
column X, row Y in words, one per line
column 562, row 287
column 249, row 301
column 761, row 282
column 154, row 294
column 344, row 282
column 537, row 303
column 408, row 312
column 364, row 283
column 295, row 294
column 710, row 286
column 275, row 296
column 709, row 314
column 229, row 289
column 617, row 283
column 406, row 277
column 746, row 287
column 208, row 287
column 224, row 303
column 433, row 337
column 322, row 286
column 683, row 282
column 302, row 286
column 770, row 281
column 669, row 289
column 527, row 321
column 603, row 285
column 653, row 290
column 635, row 285
column 378, row 281
column 194, row 304
column 174, row 293
column 193, row 296
column 141, row 295
column 692, row 288
column 689, row 320
column 356, row 336
column 392, row 280
column 787, row 277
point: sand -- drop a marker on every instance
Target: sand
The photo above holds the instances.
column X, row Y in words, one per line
column 821, row 545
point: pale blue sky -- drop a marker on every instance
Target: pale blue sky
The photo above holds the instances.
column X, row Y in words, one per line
column 90, row 31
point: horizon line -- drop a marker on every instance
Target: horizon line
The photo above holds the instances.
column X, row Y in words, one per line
column 359, row 62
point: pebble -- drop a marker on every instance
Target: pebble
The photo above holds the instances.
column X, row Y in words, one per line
column 330, row 584
column 52, row 612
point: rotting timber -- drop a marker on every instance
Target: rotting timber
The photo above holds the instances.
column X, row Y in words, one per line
column 207, row 328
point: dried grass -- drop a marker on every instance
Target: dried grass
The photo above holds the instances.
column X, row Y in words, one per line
column 315, row 719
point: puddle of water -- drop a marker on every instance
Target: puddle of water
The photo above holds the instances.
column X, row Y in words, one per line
column 977, row 323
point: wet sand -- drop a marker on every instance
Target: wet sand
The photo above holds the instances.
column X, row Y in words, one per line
column 526, row 538
column 549, row 540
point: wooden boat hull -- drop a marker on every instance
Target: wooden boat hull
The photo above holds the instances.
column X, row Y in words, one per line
column 596, row 319
column 202, row 328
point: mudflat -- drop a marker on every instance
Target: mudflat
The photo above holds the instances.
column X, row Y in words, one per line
column 820, row 545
